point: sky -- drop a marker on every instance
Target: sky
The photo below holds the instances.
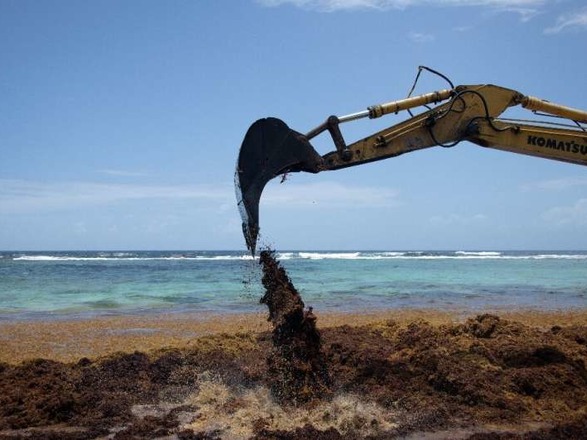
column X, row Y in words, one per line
column 121, row 122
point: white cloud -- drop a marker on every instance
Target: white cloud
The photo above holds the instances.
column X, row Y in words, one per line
column 457, row 219
column 526, row 14
column 418, row 37
column 122, row 173
column 326, row 5
column 328, row 194
column 466, row 28
column 21, row 196
column 569, row 20
column 524, row 7
column 556, row 184
column 575, row 214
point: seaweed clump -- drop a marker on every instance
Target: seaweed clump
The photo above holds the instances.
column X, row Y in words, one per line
column 297, row 369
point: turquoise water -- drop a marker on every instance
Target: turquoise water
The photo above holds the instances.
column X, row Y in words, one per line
column 43, row 285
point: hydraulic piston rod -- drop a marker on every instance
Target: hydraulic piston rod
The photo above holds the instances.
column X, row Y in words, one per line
column 537, row 104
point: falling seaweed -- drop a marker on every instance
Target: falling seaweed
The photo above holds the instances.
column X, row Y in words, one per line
column 297, row 369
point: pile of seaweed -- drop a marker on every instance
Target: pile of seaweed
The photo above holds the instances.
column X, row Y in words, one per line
column 487, row 378
column 296, row 365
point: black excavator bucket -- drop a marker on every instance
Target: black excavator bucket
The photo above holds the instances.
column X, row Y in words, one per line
column 270, row 148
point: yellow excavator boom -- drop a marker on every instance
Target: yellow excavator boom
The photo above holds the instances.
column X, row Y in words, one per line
column 472, row 114
column 463, row 113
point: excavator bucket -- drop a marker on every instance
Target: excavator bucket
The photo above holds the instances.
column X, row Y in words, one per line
column 270, row 148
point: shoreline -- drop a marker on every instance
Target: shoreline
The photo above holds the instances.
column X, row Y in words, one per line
column 68, row 340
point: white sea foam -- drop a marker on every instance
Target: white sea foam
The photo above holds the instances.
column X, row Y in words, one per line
column 349, row 414
column 479, row 254
column 286, row 255
column 323, row 255
column 421, row 255
column 329, row 255
column 559, row 257
column 392, row 254
column 104, row 258
column 55, row 258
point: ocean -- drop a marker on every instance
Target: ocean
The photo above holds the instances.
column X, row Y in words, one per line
column 71, row 285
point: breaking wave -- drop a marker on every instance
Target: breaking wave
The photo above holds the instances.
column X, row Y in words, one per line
column 290, row 255
column 427, row 255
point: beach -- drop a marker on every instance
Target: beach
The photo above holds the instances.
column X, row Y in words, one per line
column 68, row 340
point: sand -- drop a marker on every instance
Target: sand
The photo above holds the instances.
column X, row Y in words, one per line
column 69, row 340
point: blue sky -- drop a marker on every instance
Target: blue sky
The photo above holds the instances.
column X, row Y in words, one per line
column 120, row 122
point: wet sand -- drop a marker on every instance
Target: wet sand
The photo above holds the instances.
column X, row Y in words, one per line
column 70, row 340
column 395, row 374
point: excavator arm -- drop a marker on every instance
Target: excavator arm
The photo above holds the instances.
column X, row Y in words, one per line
column 464, row 113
